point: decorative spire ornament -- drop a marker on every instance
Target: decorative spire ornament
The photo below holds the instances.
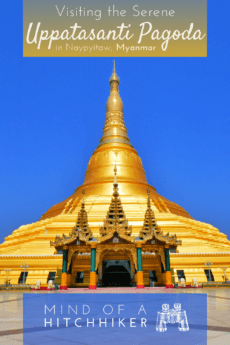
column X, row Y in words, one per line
column 114, row 130
column 151, row 231
column 114, row 80
column 115, row 174
column 83, row 193
column 149, row 226
column 115, row 221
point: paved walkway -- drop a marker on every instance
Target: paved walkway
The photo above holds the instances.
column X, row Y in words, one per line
column 11, row 312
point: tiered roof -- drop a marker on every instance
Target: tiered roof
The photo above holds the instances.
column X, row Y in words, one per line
column 115, row 222
column 81, row 231
column 151, row 231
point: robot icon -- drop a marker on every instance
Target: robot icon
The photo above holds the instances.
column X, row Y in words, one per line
column 176, row 315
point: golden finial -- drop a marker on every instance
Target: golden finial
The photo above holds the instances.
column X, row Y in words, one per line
column 83, row 194
column 114, row 77
column 115, row 174
column 115, row 184
column 149, row 203
column 114, row 103
column 114, row 130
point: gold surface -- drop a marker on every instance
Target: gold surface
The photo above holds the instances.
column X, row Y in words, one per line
column 64, row 278
column 93, row 279
column 139, row 278
column 168, row 278
column 114, row 149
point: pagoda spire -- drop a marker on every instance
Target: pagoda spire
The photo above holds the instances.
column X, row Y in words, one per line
column 149, row 226
column 114, row 78
column 150, row 230
column 114, row 146
column 115, row 184
column 83, row 199
column 114, row 130
column 82, row 226
column 80, row 231
column 149, row 202
column 115, row 221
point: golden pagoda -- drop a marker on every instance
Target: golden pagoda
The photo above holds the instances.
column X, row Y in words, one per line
column 109, row 218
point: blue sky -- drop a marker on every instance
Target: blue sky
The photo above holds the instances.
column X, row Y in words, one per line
column 53, row 110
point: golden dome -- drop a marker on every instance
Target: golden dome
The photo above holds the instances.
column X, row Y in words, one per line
column 115, row 149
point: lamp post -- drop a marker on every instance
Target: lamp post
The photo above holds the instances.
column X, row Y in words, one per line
column 208, row 263
column 25, row 266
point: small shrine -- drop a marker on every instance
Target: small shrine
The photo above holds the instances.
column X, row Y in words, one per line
column 115, row 243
